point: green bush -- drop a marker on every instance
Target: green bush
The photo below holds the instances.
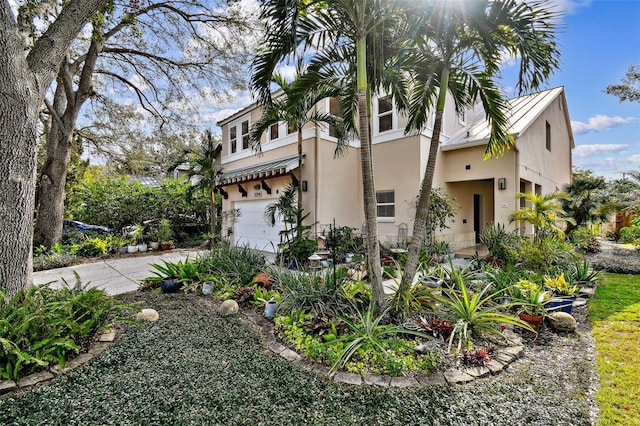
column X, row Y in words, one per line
column 630, row 235
column 548, row 256
column 42, row 326
column 584, row 240
column 501, row 244
column 117, row 202
column 93, row 247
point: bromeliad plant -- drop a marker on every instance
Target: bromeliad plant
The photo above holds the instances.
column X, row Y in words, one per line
column 532, row 298
column 559, row 286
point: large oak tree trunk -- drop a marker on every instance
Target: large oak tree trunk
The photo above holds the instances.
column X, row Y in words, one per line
column 19, row 103
column 23, row 81
column 64, row 112
column 53, row 177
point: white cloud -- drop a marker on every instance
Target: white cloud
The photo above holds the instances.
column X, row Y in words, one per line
column 571, row 6
column 220, row 115
column 287, row 71
column 583, row 151
column 599, row 123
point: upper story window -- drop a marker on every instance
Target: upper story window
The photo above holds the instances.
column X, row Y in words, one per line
column 334, row 109
column 239, row 136
column 548, row 136
column 245, row 134
column 386, row 204
column 291, row 128
column 274, row 131
column 233, row 139
column 385, row 114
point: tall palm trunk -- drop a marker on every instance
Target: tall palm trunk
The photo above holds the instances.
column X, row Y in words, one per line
column 422, row 209
column 368, row 185
column 299, row 216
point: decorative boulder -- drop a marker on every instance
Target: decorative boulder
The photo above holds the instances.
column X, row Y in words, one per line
column 147, row 315
column 562, row 321
column 228, row 307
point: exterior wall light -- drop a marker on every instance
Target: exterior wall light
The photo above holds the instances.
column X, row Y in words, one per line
column 502, row 183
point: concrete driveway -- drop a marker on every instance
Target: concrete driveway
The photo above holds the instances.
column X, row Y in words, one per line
column 115, row 275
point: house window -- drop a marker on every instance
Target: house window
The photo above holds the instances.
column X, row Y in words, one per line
column 334, row 109
column 245, row 135
column 385, row 114
column 548, row 136
column 386, row 206
column 291, row 128
column 274, row 131
column 233, row 139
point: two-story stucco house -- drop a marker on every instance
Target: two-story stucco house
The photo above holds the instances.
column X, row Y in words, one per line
column 540, row 161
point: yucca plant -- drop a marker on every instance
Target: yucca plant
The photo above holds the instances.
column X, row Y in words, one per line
column 366, row 331
column 474, row 315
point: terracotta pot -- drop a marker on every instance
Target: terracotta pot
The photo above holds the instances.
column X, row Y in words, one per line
column 263, row 279
column 165, row 246
column 533, row 320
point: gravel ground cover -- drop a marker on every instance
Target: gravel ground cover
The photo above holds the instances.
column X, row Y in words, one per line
column 195, row 367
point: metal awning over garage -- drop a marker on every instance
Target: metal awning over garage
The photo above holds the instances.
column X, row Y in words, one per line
column 261, row 171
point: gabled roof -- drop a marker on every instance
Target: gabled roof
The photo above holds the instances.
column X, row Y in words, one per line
column 523, row 111
column 265, row 170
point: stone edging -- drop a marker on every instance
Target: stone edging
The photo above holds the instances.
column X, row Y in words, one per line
column 501, row 359
column 102, row 342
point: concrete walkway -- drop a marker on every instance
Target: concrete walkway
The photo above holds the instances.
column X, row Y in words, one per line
column 114, row 275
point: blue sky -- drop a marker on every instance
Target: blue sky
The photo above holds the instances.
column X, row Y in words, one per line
column 599, row 40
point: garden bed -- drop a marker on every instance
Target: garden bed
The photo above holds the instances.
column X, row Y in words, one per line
column 195, row 367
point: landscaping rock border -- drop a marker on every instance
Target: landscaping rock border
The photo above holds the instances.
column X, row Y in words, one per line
column 501, row 360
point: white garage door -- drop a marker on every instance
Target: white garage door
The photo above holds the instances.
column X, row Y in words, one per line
column 251, row 228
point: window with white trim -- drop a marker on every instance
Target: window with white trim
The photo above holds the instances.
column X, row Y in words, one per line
column 233, row 139
column 385, row 114
column 274, row 132
column 334, row 109
column 386, row 204
column 291, row 128
column 245, row 134
column 548, row 135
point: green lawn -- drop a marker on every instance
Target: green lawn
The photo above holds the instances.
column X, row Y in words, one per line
column 614, row 313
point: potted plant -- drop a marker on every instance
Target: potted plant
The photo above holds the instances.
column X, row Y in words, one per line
column 532, row 299
column 154, row 243
column 164, row 234
column 138, row 235
column 564, row 293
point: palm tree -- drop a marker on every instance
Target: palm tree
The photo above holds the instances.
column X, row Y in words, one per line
column 458, row 50
column 295, row 106
column 545, row 213
column 332, row 34
column 204, row 172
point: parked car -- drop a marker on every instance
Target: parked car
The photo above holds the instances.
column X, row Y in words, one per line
column 70, row 225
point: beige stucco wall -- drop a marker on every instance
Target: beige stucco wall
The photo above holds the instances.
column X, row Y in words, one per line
column 550, row 169
column 335, row 185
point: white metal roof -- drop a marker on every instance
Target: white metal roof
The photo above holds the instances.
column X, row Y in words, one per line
column 522, row 112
